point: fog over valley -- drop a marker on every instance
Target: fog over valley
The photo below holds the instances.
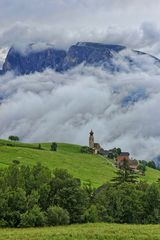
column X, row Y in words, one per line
column 122, row 108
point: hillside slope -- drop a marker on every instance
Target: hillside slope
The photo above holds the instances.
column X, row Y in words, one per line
column 87, row 167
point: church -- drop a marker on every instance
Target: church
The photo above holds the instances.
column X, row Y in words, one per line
column 94, row 146
column 96, row 149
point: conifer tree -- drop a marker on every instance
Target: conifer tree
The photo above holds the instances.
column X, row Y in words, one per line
column 125, row 174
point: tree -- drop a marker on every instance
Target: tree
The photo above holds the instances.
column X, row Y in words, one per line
column 33, row 218
column 125, row 174
column 118, row 150
column 39, row 146
column 16, row 204
column 57, row 216
column 54, row 146
column 14, row 177
column 152, row 204
column 32, row 199
column 121, row 204
column 44, row 192
column 13, row 138
column 40, row 175
column 67, row 193
column 142, row 167
column 91, row 215
column 151, row 164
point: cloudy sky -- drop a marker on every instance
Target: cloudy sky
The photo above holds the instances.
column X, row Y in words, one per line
column 133, row 23
column 50, row 106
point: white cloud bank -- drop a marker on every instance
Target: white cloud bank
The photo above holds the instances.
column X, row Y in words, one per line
column 50, row 106
column 63, row 23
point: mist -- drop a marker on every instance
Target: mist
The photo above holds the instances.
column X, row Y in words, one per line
column 121, row 108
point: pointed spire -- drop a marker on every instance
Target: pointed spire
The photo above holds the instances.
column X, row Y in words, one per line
column 91, row 132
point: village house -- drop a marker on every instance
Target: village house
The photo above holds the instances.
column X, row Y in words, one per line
column 96, row 149
column 124, row 156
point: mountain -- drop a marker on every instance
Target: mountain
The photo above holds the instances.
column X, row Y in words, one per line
column 32, row 61
column 1, row 72
column 97, row 54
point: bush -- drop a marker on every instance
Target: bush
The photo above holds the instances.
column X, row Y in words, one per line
column 3, row 223
column 33, row 218
column 57, row 216
column 13, row 138
column 54, row 146
column 39, row 146
column 142, row 168
column 85, row 149
column 151, row 164
column 90, row 215
column 67, row 193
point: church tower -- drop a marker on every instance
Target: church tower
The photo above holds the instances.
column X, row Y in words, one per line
column 91, row 139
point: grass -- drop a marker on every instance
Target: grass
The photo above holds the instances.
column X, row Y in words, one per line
column 151, row 175
column 98, row 231
column 87, row 167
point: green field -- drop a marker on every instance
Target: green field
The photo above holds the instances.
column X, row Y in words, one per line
column 87, row 167
column 98, row 231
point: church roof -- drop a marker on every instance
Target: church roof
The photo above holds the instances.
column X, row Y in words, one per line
column 91, row 132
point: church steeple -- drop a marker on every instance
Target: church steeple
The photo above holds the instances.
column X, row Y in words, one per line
column 91, row 139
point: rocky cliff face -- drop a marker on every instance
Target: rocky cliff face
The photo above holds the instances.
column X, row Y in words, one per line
column 34, row 61
column 60, row 60
column 90, row 53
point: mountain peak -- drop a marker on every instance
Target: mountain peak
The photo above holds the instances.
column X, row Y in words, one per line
column 38, row 57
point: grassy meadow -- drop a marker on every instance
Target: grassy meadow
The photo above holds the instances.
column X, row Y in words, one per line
column 98, row 231
column 87, row 167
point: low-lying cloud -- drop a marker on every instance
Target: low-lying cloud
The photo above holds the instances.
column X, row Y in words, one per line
column 144, row 37
column 121, row 108
column 63, row 23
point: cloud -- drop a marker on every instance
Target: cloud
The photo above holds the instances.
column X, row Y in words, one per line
column 122, row 108
column 50, row 106
column 145, row 37
column 66, row 22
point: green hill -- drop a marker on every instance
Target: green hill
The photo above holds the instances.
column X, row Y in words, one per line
column 87, row 167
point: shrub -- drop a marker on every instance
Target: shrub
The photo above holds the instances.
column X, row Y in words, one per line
column 151, row 164
column 13, row 138
column 39, row 146
column 57, row 216
column 3, row 223
column 142, row 168
column 90, row 215
column 33, row 218
column 85, row 149
column 54, row 146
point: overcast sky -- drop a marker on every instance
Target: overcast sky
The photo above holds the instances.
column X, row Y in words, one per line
column 41, row 106
column 133, row 23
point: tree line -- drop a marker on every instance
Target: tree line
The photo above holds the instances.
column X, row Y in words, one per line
column 36, row 196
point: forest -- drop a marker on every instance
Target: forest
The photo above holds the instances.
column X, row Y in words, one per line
column 36, row 196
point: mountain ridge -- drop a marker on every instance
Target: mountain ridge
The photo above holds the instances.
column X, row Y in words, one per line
column 97, row 54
